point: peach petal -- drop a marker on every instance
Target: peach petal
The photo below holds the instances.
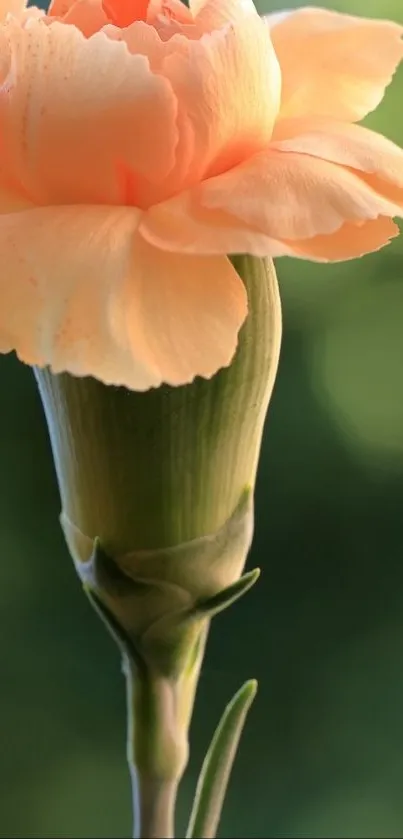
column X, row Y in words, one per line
column 171, row 10
column 349, row 242
column 141, row 39
column 334, row 64
column 19, row 10
column 231, row 116
column 340, row 142
column 87, row 15
column 82, row 292
column 380, row 160
column 214, row 14
column 226, row 120
column 391, row 191
column 191, row 309
column 12, row 7
column 294, row 196
column 59, row 8
column 64, row 92
column 264, row 206
column 12, row 199
column 183, row 225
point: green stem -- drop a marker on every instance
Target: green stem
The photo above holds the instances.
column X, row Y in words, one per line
column 159, row 712
column 157, row 750
column 153, row 807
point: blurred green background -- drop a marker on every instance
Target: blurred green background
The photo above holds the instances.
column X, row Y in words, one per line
column 322, row 753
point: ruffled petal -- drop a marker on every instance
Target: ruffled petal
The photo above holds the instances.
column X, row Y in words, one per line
column 349, row 242
column 82, row 292
column 171, row 10
column 59, row 8
column 12, row 7
column 87, row 15
column 334, row 64
column 227, row 87
column 182, row 225
column 228, row 91
column 190, row 309
column 19, row 10
column 142, row 39
column 380, row 160
column 64, row 93
column 344, row 143
column 274, row 198
column 214, row 14
column 294, row 196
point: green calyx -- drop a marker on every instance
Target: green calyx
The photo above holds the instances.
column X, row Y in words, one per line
column 157, row 602
column 153, row 470
column 157, row 487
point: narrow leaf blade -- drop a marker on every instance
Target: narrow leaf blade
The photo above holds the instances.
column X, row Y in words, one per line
column 217, row 765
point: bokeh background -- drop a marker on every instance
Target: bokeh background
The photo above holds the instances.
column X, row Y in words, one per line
column 322, row 753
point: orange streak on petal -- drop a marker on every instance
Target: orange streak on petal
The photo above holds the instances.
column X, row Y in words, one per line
column 124, row 12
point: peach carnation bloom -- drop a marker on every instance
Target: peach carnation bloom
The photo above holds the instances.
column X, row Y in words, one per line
column 141, row 142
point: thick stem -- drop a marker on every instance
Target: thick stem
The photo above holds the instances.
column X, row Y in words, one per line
column 153, row 806
column 159, row 713
column 156, row 750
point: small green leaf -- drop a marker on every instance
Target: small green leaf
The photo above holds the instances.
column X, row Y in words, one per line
column 224, row 598
column 216, row 769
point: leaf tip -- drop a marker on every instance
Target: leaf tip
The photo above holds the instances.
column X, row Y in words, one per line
column 247, row 692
